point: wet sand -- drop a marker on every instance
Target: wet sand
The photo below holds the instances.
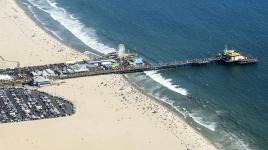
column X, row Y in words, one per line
column 110, row 113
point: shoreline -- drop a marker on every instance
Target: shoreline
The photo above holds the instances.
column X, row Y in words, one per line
column 68, row 91
column 39, row 38
column 30, row 15
column 168, row 107
column 90, row 56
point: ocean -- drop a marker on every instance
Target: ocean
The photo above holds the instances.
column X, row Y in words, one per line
column 228, row 104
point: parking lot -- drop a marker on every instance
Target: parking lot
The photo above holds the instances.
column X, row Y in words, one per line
column 18, row 104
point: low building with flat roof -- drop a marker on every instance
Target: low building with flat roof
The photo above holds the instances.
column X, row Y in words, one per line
column 40, row 81
column 5, row 77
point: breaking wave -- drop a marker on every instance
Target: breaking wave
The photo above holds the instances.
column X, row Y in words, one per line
column 85, row 34
column 200, row 120
column 165, row 82
column 88, row 36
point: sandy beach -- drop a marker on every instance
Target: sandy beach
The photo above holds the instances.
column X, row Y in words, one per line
column 110, row 113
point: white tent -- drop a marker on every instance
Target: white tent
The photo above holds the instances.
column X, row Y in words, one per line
column 5, row 77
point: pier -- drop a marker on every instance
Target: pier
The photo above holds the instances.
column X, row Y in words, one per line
column 42, row 75
column 151, row 67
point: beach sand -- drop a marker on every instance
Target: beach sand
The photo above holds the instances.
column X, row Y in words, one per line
column 110, row 113
column 22, row 40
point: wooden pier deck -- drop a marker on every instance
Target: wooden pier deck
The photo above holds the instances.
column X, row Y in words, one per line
column 23, row 75
column 148, row 67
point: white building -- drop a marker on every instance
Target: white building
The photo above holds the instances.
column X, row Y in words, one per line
column 41, row 81
column 79, row 68
column 5, row 77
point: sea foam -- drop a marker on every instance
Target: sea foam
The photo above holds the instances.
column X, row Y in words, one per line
column 86, row 34
column 200, row 120
column 165, row 82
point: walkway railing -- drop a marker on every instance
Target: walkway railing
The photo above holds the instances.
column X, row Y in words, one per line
column 24, row 74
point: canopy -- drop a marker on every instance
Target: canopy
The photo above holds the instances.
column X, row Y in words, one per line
column 138, row 61
column 5, row 77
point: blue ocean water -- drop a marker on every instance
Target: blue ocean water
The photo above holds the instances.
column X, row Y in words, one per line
column 228, row 104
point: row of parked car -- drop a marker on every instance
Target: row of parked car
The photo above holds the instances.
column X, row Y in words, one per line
column 18, row 104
